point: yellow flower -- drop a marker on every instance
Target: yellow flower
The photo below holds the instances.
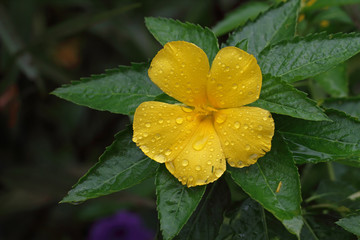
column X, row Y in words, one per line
column 212, row 126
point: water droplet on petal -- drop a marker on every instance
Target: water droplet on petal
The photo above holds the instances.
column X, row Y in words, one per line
column 231, row 163
column 260, row 127
column 161, row 121
column 191, row 179
column 160, row 158
column 234, row 86
column 145, row 149
column 200, row 143
column 147, row 125
column 237, row 66
column 219, row 172
column 167, row 152
column 157, row 136
column 197, row 168
column 227, row 68
column 145, row 134
column 179, row 120
column 237, row 125
column 246, row 126
column 247, row 147
column 220, row 118
column 219, row 86
column 264, row 118
column 170, row 166
column 227, row 143
column 200, row 182
column 209, row 162
column 185, row 162
column 186, row 109
column 253, row 156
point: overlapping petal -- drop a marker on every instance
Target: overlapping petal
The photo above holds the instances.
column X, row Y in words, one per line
column 163, row 130
column 245, row 134
column 202, row 160
column 181, row 70
column 235, row 79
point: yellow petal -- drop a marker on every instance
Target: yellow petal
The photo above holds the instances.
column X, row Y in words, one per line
column 235, row 79
column 180, row 69
column 162, row 130
column 202, row 161
column 245, row 134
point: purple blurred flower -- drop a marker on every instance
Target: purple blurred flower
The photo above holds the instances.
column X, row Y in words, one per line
column 121, row 226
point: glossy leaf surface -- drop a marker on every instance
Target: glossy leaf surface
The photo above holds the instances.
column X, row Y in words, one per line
column 175, row 202
column 121, row 166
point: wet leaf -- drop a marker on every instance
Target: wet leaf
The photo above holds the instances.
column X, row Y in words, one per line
column 279, row 97
column 175, row 202
column 121, row 166
column 304, row 57
column 274, row 25
column 274, row 182
column 166, row 30
column 313, row 142
column 119, row 90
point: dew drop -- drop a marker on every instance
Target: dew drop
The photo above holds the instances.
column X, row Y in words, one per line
column 200, row 182
column 250, row 93
column 200, row 143
column 191, row 100
column 237, row 125
column 170, row 166
column 145, row 134
column 227, row 69
column 222, row 102
column 189, row 118
column 197, row 167
column 246, row 126
column 185, row 162
column 157, row 136
column 220, row 86
column 188, row 90
column 145, row 149
column 160, row 158
column 147, row 125
column 247, row 147
column 183, row 65
column 234, row 86
column 231, row 163
column 260, row 127
column 220, row 118
column 209, row 162
column 161, row 121
column 237, row 66
column 186, row 109
column 218, row 172
column 177, row 85
column 264, row 118
column 179, row 120
column 227, row 143
column 167, row 152
column 253, row 156
column 259, row 136
column 240, row 58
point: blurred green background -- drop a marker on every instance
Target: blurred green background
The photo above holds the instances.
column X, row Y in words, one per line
column 47, row 144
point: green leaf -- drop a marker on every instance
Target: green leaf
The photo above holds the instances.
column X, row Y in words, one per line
column 262, row 180
column 313, row 142
column 119, row 90
column 304, row 57
column 351, row 223
column 166, row 30
column 334, row 81
column 121, row 166
column 279, row 97
column 247, row 221
column 319, row 4
column 239, row 17
column 350, row 106
column 205, row 223
column 269, row 28
column 175, row 202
